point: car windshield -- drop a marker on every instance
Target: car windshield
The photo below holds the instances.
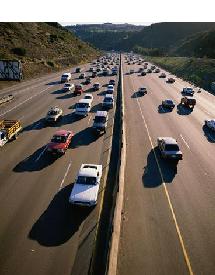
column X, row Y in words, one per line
column 100, row 119
column 88, row 97
column 171, row 147
column 86, row 180
column 52, row 113
column 67, row 85
column 169, row 101
column 82, row 105
column 108, row 99
column 58, row 139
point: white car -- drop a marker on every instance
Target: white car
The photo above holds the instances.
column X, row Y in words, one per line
column 68, row 87
column 54, row 114
column 188, row 91
column 210, row 124
column 89, row 96
column 110, row 88
column 86, row 188
column 66, row 77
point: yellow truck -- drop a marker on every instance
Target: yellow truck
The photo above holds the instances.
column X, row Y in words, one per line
column 9, row 129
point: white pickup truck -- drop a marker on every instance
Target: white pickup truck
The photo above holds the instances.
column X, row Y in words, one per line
column 86, row 188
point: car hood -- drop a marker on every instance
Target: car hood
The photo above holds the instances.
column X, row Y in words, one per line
column 84, row 193
column 53, row 145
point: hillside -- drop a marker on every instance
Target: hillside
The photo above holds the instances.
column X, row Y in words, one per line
column 104, row 36
column 165, row 35
column 42, row 47
column 198, row 45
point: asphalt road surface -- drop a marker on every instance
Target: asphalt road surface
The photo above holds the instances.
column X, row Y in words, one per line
column 168, row 219
column 40, row 233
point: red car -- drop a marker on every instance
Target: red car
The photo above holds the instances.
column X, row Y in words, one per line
column 60, row 142
column 78, row 89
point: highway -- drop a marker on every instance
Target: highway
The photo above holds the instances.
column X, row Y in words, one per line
column 40, row 233
column 168, row 218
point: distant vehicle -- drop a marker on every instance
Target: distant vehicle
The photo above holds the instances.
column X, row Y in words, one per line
column 131, row 71
column 78, row 70
column 152, row 67
column 82, row 108
column 60, row 142
column 142, row 90
column 188, row 101
column 82, row 76
column 54, row 114
column 91, row 69
column 66, row 77
column 143, row 73
column 86, row 188
column 100, row 121
column 149, row 71
column 98, row 69
column 108, row 101
column 141, row 69
column 96, row 86
column 169, row 148
column 188, row 91
column 210, row 124
column 94, row 74
column 168, row 103
column 9, row 129
column 171, row 80
column 112, row 82
column 114, row 71
column 162, row 75
column 87, row 80
column 157, row 70
column 78, row 89
column 89, row 96
column 68, row 87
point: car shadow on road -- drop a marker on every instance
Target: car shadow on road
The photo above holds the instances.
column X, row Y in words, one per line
column 34, row 162
column 65, row 96
column 183, row 111
column 84, row 138
column 152, row 177
column 102, row 93
column 137, row 94
column 59, row 222
column 163, row 110
column 209, row 134
column 54, row 83
column 95, row 108
column 57, row 92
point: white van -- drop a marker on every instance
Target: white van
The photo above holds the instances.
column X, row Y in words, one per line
column 83, row 107
column 66, row 77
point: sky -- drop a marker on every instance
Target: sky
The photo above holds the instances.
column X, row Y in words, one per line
column 96, row 11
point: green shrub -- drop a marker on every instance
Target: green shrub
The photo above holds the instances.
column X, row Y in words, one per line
column 19, row 51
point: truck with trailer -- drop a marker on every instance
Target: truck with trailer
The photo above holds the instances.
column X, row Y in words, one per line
column 9, row 130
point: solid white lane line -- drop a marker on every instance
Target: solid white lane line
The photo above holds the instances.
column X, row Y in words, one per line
column 40, row 155
column 186, row 257
column 21, row 103
column 65, row 175
column 185, row 141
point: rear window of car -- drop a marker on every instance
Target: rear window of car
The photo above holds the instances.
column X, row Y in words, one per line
column 86, row 180
column 171, row 147
column 82, row 105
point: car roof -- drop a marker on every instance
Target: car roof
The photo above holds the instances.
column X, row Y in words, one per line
column 101, row 113
column 88, row 170
column 84, row 100
column 169, row 140
column 61, row 133
column 109, row 95
column 88, row 95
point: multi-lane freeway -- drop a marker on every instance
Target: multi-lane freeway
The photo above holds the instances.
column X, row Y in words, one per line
column 168, row 218
column 40, row 233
